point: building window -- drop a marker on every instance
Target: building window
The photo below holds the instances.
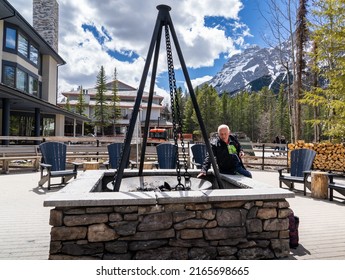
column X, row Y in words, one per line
column 79, row 129
column 9, row 76
column 23, row 45
column 23, row 124
column 33, row 54
column 48, row 125
column 22, row 80
column 15, row 77
column 33, row 86
column 11, row 38
column 69, row 124
column 17, row 42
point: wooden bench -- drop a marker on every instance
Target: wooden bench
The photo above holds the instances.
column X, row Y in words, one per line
column 11, row 153
column 88, row 152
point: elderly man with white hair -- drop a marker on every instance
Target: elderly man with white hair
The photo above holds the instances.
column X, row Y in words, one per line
column 228, row 153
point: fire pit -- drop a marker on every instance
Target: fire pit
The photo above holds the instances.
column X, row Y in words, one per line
column 248, row 221
column 159, row 183
column 128, row 214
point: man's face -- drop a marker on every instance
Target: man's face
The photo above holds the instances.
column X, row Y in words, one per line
column 224, row 134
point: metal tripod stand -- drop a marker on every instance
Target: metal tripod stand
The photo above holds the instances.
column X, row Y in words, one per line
column 163, row 20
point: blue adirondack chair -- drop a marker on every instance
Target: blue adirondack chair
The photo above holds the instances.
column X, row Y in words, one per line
column 167, row 156
column 301, row 163
column 115, row 153
column 199, row 153
column 53, row 164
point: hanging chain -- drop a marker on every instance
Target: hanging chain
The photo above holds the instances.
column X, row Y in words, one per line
column 176, row 116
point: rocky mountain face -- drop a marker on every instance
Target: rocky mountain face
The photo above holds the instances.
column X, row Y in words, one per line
column 252, row 70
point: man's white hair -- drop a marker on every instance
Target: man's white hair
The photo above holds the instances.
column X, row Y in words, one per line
column 222, row 126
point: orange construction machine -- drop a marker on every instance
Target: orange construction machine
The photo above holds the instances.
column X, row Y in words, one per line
column 157, row 136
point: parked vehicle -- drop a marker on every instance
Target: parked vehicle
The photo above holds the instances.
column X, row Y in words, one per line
column 157, row 136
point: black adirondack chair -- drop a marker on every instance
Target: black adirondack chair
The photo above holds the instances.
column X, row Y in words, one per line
column 53, row 164
column 167, row 156
column 115, row 153
column 199, row 154
column 301, row 163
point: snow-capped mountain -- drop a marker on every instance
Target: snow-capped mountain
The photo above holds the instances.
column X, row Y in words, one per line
column 252, row 69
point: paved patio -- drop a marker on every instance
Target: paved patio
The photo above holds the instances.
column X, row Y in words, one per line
column 321, row 232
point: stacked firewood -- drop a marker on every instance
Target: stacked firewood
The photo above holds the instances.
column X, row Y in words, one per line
column 329, row 156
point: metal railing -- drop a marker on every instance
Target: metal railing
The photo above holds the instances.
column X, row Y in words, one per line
column 262, row 156
column 265, row 155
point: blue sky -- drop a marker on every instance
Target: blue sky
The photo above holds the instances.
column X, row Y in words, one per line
column 117, row 33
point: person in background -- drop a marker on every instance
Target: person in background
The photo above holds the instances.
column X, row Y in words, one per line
column 277, row 141
column 282, row 141
column 228, row 153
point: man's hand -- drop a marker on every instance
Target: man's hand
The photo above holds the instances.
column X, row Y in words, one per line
column 201, row 174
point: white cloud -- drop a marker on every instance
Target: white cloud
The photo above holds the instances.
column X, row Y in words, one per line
column 201, row 80
column 130, row 24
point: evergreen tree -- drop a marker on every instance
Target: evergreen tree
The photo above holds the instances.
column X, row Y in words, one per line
column 267, row 104
column 282, row 123
column 166, row 114
column 224, row 109
column 188, row 123
column 101, row 109
column 68, row 105
column 81, row 105
column 253, row 116
column 209, row 102
column 115, row 111
column 245, row 113
column 328, row 31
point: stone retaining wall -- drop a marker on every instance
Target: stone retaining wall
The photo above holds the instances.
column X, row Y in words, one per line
column 213, row 230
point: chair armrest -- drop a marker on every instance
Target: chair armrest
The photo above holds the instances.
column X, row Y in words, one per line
column 197, row 165
column 106, row 163
column 76, row 165
column 45, row 165
column 331, row 176
column 280, row 170
column 132, row 164
column 306, row 174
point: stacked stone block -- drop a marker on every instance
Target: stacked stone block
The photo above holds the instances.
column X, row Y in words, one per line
column 46, row 21
column 220, row 230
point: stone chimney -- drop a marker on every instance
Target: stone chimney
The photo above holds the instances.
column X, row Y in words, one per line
column 46, row 21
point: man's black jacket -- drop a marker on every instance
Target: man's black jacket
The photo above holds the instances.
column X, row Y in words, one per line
column 227, row 163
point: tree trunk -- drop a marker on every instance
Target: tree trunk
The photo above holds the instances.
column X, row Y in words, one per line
column 319, row 184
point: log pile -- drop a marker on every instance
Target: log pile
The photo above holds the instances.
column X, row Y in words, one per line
column 329, row 156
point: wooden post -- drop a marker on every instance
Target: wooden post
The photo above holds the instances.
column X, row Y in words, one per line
column 319, row 184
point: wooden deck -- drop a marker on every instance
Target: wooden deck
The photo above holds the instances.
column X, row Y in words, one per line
column 322, row 223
